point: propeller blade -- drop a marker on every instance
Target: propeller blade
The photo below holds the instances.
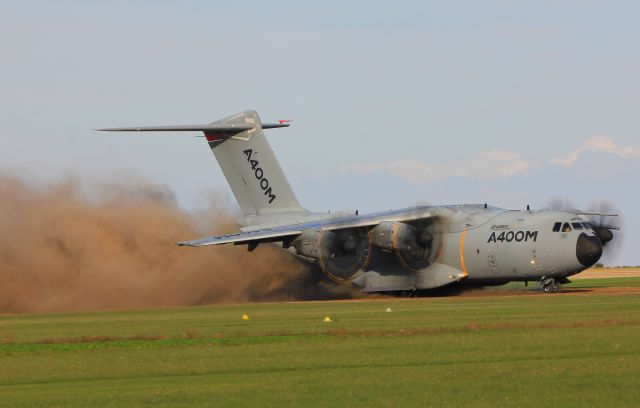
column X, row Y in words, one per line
column 562, row 204
column 607, row 223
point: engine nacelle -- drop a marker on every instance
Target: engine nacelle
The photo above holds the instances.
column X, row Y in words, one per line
column 341, row 254
column 386, row 235
column 414, row 244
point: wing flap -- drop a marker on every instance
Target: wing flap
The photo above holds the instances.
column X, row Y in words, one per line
column 264, row 235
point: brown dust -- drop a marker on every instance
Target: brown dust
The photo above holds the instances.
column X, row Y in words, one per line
column 64, row 247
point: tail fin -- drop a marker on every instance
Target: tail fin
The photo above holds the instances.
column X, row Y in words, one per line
column 247, row 161
column 251, row 168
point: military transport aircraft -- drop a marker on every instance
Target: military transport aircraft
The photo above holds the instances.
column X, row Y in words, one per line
column 401, row 251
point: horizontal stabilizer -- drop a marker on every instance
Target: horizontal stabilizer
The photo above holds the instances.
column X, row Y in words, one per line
column 210, row 128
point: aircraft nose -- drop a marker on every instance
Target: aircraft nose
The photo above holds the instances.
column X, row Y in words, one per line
column 588, row 249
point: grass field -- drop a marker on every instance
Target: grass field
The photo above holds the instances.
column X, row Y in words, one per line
column 573, row 349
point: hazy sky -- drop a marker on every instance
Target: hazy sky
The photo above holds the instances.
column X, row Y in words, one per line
column 505, row 102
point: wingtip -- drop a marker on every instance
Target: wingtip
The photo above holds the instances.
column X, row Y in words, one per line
column 185, row 244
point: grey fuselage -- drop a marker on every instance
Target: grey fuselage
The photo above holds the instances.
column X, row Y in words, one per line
column 480, row 244
column 520, row 245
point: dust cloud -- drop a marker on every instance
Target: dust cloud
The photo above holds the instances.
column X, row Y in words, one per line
column 66, row 247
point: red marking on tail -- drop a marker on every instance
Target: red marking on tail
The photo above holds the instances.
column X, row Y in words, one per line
column 212, row 137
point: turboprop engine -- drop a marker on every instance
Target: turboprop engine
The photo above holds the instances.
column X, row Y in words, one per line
column 341, row 254
column 413, row 244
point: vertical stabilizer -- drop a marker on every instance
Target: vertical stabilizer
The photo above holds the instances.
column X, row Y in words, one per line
column 250, row 167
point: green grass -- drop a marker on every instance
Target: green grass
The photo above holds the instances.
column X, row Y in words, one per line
column 605, row 282
column 521, row 350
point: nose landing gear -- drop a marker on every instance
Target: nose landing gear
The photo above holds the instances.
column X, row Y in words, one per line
column 549, row 285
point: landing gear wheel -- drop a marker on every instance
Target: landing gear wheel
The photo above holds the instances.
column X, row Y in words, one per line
column 550, row 286
column 408, row 293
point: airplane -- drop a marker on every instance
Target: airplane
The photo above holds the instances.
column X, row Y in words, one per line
column 407, row 251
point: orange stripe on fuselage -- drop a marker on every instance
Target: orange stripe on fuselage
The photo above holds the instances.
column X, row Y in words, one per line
column 462, row 265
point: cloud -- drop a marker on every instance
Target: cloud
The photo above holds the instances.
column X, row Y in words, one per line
column 598, row 143
column 490, row 165
column 495, row 164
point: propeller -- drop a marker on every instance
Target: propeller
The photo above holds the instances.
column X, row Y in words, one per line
column 349, row 243
column 343, row 242
column 607, row 222
column 416, row 241
column 605, row 219
column 345, row 252
column 562, row 204
column 416, row 237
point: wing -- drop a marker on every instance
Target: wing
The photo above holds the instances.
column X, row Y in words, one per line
column 262, row 235
column 371, row 220
column 288, row 232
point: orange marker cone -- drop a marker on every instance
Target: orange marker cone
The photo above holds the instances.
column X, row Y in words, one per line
column 327, row 320
column 245, row 317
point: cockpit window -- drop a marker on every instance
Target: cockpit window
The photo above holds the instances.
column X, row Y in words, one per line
column 556, row 226
column 566, row 227
column 576, row 225
column 586, row 225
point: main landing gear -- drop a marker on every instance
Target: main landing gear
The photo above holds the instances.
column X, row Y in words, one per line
column 408, row 293
column 550, row 285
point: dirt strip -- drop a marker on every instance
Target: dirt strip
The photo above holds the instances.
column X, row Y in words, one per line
column 566, row 291
column 597, row 273
column 532, row 290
